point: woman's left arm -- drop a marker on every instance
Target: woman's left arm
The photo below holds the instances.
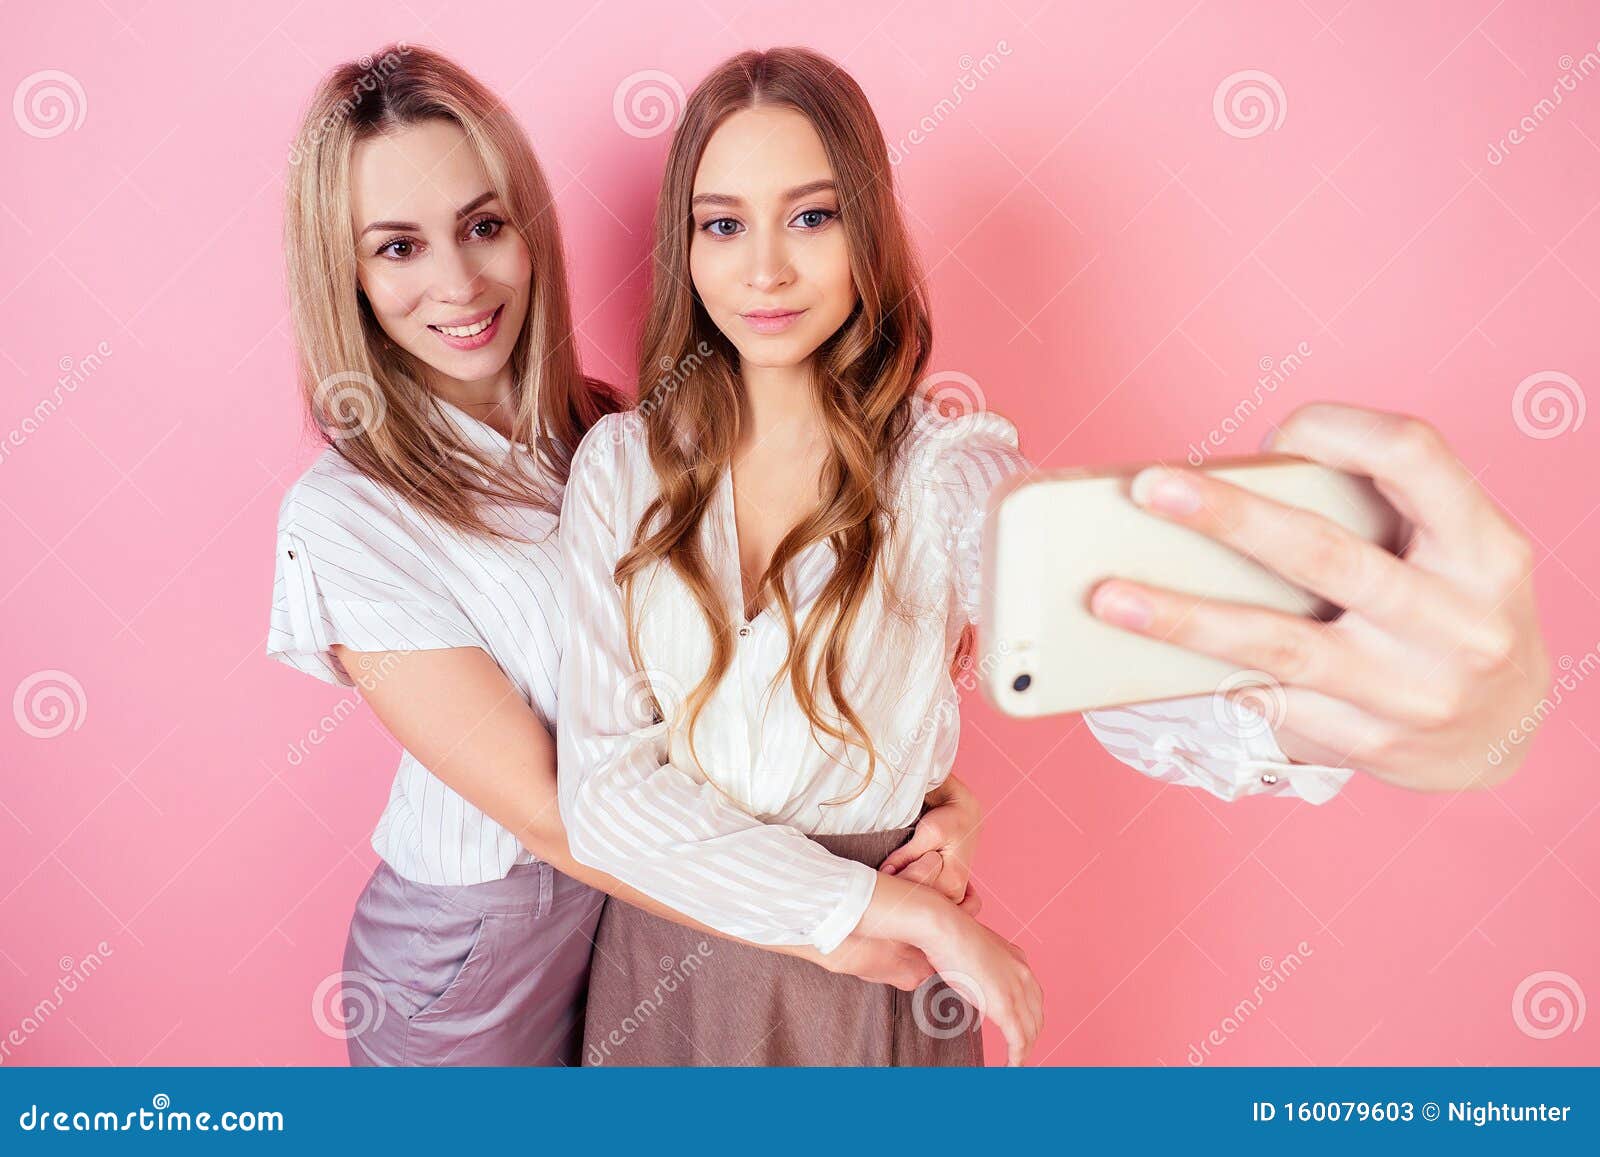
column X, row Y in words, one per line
column 1424, row 679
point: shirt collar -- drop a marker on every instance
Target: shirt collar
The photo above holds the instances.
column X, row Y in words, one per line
column 474, row 430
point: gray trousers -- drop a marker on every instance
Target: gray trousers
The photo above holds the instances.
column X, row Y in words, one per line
column 478, row 974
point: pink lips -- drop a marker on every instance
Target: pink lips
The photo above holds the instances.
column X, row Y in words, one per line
column 476, row 341
column 771, row 320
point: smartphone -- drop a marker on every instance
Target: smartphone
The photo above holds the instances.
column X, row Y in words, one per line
column 1051, row 536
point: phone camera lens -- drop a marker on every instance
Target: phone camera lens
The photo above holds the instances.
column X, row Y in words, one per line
column 1021, row 682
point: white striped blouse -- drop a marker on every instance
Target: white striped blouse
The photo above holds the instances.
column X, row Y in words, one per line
column 358, row 564
column 722, row 837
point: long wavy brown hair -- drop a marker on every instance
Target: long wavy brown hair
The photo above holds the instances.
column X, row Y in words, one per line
column 864, row 379
column 365, row 395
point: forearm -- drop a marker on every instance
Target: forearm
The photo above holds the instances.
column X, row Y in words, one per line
column 520, row 793
column 458, row 715
column 551, row 846
column 543, row 834
column 908, row 913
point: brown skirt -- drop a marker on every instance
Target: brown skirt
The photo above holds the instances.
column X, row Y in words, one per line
column 663, row 994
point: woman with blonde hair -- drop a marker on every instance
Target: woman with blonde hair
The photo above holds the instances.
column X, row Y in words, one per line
column 772, row 562
column 417, row 558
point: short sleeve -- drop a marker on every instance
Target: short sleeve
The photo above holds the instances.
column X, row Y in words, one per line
column 350, row 570
column 960, row 460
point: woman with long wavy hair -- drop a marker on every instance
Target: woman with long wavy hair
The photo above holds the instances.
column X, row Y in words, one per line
column 417, row 558
column 773, row 561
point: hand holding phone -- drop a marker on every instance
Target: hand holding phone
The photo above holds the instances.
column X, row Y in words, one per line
column 1052, row 536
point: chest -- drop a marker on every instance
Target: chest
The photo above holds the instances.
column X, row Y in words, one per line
column 764, row 504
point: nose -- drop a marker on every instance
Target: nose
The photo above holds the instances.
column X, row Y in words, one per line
column 457, row 278
column 770, row 262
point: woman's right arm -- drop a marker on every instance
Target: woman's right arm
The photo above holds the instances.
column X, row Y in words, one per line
column 459, row 715
column 356, row 603
column 630, row 811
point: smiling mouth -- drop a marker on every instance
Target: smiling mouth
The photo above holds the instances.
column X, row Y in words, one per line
column 471, row 330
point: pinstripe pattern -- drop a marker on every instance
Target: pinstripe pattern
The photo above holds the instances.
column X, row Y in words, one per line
column 724, row 838
column 359, row 565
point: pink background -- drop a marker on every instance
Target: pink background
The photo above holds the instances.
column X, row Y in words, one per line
column 1108, row 263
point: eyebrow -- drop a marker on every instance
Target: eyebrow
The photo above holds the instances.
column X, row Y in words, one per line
column 794, row 194
column 480, row 199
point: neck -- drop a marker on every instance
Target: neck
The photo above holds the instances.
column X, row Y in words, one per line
column 488, row 400
column 778, row 401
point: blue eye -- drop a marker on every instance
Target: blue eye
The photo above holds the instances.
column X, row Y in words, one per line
column 715, row 227
column 816, row 218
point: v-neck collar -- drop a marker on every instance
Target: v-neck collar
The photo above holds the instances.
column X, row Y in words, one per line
column 732, row 575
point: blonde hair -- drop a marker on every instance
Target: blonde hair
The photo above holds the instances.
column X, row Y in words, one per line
column 364, row 394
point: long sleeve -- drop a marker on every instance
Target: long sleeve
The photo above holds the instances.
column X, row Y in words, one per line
column 1197, row 741
column 663, row 829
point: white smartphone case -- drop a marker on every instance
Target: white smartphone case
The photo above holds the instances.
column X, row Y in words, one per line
column 1051, row 536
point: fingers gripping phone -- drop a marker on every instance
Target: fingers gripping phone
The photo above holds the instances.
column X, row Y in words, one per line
column 1051, row 536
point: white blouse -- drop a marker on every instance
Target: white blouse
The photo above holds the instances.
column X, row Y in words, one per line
column 724, row 839
column 360, row 565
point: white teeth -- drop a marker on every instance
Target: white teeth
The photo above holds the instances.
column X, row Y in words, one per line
column 465, row 330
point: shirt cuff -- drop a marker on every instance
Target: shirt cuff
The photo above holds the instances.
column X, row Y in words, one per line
column 1268, row 770
column 1312, row 782
column 847, row 914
